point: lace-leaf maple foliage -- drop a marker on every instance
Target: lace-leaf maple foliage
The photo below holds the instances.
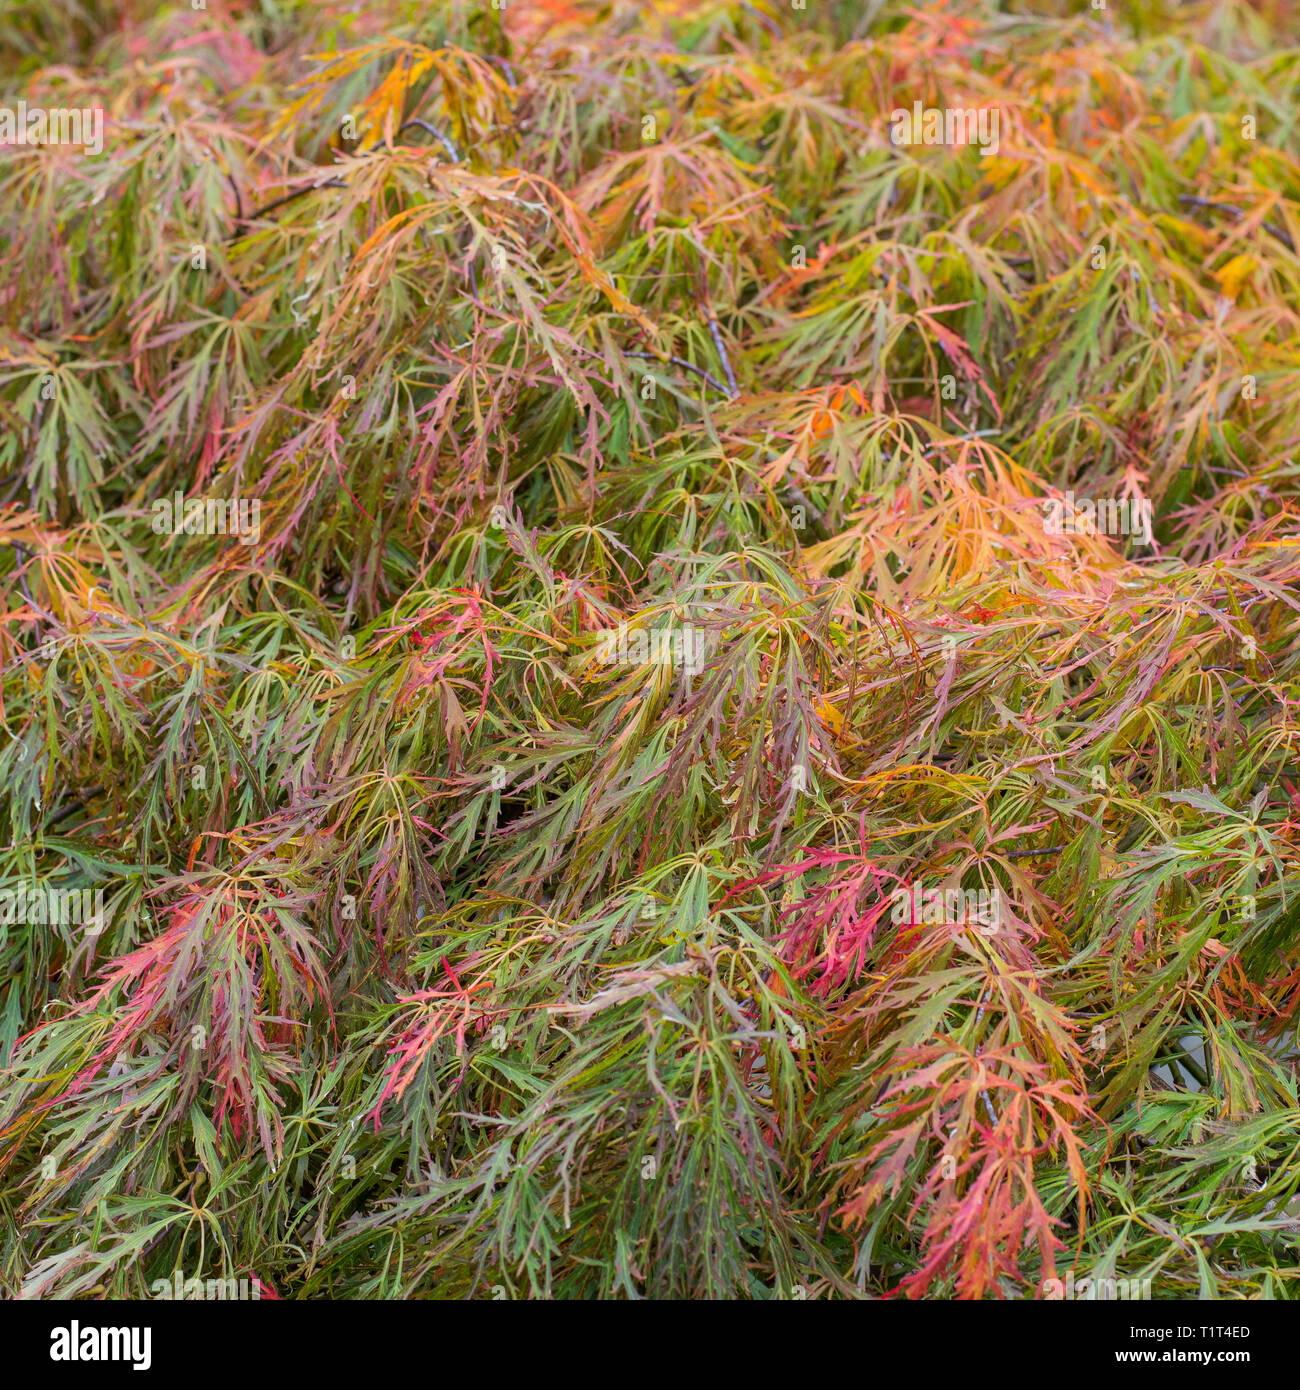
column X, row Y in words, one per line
column 631, row 611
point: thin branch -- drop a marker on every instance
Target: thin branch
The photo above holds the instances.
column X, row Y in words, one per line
column 1279, row 232
column 281, row 201
column 801, row 500
column 682, row 362
column 20, row 574
column 722, row 351
column 444, row 140
column 239, row 202
column 77, row 804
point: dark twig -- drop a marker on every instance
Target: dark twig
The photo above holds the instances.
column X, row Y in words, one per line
column 682, row 362
column 766, row 21
column 239, row 202
column 1272, row 227
column 17, row 479
column 75, row 805
column 801, row 500
column 451, row 149
column 335, row 182
column 498, row 62
column 442, row 139
column 281, row 201
column 23, row 558
column 721, row 349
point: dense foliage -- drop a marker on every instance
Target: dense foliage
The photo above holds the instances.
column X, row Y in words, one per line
column 461, row 937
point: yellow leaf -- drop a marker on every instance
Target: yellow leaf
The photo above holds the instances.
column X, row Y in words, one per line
column 602, row 281
column 1233, row 275
column 382, row 234
column 390, row 97
column 830, row 716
